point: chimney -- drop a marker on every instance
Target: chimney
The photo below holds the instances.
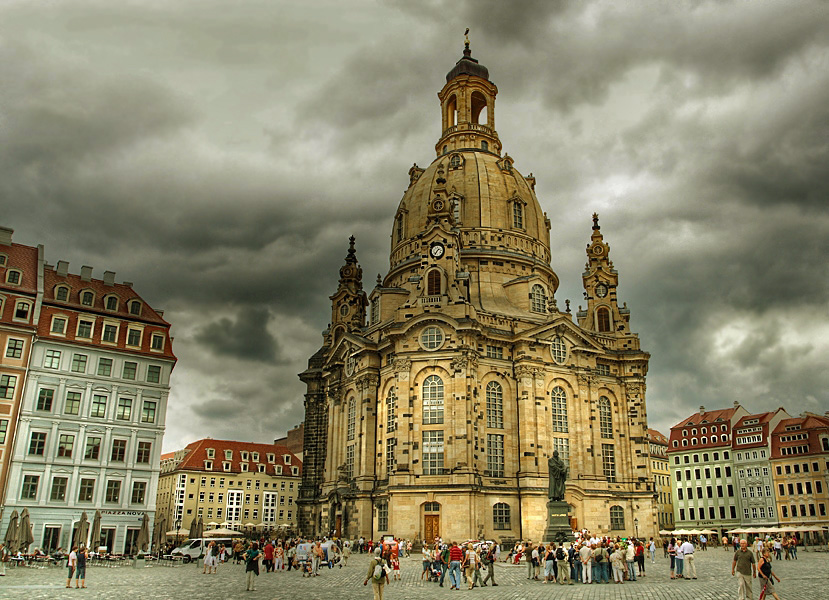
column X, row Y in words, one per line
column 86, row 273
column 63, row 268
column 109, row 277
column 128, row 284
column 6, row 236
column 736, row 404
column 701, row 409
column 160, row 312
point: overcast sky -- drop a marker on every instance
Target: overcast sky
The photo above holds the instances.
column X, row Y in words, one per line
column 218, row 154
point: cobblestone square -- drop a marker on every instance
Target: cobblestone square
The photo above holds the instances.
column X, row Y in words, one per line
column 802, row 579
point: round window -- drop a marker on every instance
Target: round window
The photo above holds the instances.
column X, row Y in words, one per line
column 559, row 350
column 350, row 364
column 431, row 338
column 343, row 309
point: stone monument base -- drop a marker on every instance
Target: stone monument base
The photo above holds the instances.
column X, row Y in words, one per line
column 558, row 523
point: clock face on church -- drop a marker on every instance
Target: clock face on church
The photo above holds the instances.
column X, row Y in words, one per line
column 437, row 250
column 601, row 290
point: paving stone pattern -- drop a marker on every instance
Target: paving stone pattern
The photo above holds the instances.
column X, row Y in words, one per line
column 805, row 578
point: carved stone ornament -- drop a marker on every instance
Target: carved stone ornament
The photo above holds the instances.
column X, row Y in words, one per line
column 464, row 361
column 633, row 389
column 588, row 378
column 401, row 365
column 366, row 382
column 336, row 395
column 527, row 371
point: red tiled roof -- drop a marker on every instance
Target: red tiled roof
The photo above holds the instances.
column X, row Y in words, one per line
column 813, row 425
column 194, row 461
column 168, row 455
column 706, row 419
column 657, row 437
column 23, row 258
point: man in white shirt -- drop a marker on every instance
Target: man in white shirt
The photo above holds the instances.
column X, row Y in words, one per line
column 536, row 558
column 690, row 568
column 585, row 554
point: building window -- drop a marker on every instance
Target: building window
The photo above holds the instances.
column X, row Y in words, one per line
column 495, row 454
column 432, row 452
column 431, row 338
column 110, row 334
column 538, row 299
column 352, row 418
column 7, row 385
column 399, row 228
column 609, row 462
column 29, row 490
column 133, row 337
column 73, row 403
column 13, row 277
column 558, row 349
column 500, row 516
column 62, row 293
column 21, row 311
column 139, row 489
column 58, row 493
column 563, row 447
column 494, row 352
column 14, row 348
column 375, row 310
column 383, row 516
column 391, row 460
column 603, row 319
column 104, row 367
column 85, row 329
column 617, row 518
column 58, row 325
column 432, row 393
column 391, row 410
column 605, row 417
column 135, row 308
column 99, row 407
column 153, row 374
column 433, row 283
column 559, row 400
column 517, row 215
column 78, row 363
column 119, row 450
column 86, row 490
column 124, row 409
column 494, row 405
column 602, row 369
column 129, row 370
column 66, row 443
column 349, row 461
column 113, row 493
column 157, row 341
column 144, row 452
column 148, row 411
column 484, row 145
column 4, row 427
column 87, row 298
column 93, row 448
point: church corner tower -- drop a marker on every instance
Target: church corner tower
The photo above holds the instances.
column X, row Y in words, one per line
column 435, row 400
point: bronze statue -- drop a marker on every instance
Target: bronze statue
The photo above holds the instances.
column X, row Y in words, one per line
column 558, row 475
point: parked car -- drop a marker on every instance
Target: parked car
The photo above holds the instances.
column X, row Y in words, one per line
column 193, row 549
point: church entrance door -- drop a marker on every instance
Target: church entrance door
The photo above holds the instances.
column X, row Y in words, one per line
column 338, row 530
column 431, row 527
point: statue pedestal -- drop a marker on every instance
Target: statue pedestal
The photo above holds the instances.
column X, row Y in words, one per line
column 558, row 523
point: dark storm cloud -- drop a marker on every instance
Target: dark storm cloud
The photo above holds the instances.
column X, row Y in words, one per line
column 220, row 160
column 246, row 337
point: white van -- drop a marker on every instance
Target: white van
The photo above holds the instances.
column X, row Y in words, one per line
column 193, row 549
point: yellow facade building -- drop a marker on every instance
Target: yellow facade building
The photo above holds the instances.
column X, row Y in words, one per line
column 437, row 398
column 661, row 471
column 239, row 485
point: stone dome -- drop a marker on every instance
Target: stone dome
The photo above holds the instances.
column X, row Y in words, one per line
column 467, row 66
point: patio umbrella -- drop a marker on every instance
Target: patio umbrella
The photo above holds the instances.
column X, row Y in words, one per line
column 144, row 534
column 194, row 529
column 179, row 533
column 82, row 530
column 222, row 533
column 200, row 528
column 160, row 536
column 95, row 532
column 11, row 538
column 24, row 532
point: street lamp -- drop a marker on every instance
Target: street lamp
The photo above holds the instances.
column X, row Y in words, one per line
column 636, row 526
column 178, row 530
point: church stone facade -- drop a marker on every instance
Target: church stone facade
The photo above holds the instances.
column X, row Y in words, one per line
column 438, row 396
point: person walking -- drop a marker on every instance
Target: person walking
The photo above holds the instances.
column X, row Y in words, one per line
column 746, row 569
column 549, row 562
column 563, row 565
column 640, row 557
column 680, row 560
column 672, row 555
column 80, row 570
column 71, row 564
column 690, row 566
column 252, row 557
column 652, row 551
column 426, row 559
column 585, row 558
column 528, row 557
column 455, row 559
column 377, row 573
column 209, row 559
column 267, row 560
column 766, row 574
column 617, row 563
column 630, row 558
column 492, row 556
column 470, row 565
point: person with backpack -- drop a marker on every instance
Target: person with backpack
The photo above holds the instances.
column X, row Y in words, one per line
column 377, row 573
column 563, row 564
column 252, row 557
column 492, row 556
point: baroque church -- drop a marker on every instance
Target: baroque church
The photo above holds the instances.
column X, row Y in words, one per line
column 437, row 397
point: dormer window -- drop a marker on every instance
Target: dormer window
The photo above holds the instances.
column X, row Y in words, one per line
column 260, row 468
column 244, row 455
column 21, row 311
column 244, row 467
column 13, row 277
column 157, row 342
column 538, row 299
column 208, row 465
column 226, row 466
column 228, row 454
column 295, row 470
column 111, row 302
column 3, row 260
column 279, row 469
column 287, row 459
column 62, row 293
column 211, row 453
column 255, row 456
column 517, row 214
column 271, row 458
column 135, row 307
column 87, row 298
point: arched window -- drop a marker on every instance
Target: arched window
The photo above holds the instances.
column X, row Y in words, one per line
column 432, row 394
column 517, row 215
column 478, row 108
column 538, row 299
column 484, row 145
column 603, row 319
column 87, row 298
column 399, row 228
column 433, row 283
column 494, row 405
column 456, row 210
column 111, row 302
column 375, row 310
column 62, row 293
column 501, row 516
column 558, row 349
column 13, row 277
column 605, row 417
column 617, row 518
column 391, row 410
column 352, row 418
column 559, row 409
column 135, row 308
column 452, row 111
